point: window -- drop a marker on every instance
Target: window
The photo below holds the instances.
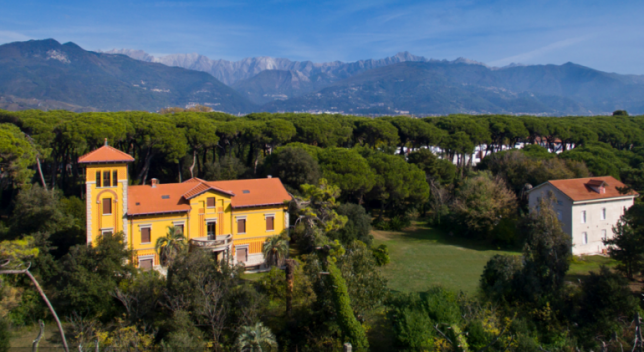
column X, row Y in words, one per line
column 211, row 229
column 145, row 235
column 583, row 216
column 241, row 225
column 107, row 232
column 107, row 206
column 178, row 229
column 603, row 214
column 604, row 235
column 270, row 223
column 584, row 238
column 106, row 179
column 98, row 179
column 242, row 255
column 115, row 178
column 146, row 264
column 211, row 202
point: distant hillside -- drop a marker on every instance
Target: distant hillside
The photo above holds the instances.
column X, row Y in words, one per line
column 46, row 72
column 454, row 87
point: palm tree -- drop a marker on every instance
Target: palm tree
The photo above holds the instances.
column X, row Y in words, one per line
column 275, row 249
column 257, row 338
column 170, row 245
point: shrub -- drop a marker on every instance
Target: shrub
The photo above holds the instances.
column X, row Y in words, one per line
column 496, row 280
column 381, row 254
column 358, row 227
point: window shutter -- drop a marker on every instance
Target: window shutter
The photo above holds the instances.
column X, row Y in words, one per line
column 242, row 255
column 211, row 202
column 241, row 226
column 107, row 206
column 270, row 223
column 145, row 235
column 145, row 264
column 98, row 179
column 115, row 178
column 106, row 179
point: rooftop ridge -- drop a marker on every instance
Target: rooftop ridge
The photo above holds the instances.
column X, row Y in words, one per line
column 119, row 155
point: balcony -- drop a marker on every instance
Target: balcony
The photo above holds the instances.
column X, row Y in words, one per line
column 212, row 243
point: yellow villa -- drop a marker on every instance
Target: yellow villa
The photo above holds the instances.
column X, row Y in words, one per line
column 232, row 219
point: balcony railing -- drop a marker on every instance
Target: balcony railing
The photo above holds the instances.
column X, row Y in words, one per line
column 211, row 242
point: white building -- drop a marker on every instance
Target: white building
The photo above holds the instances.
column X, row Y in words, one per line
column 587, row 208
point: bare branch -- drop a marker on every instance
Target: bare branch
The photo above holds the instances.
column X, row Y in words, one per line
column 44, row 297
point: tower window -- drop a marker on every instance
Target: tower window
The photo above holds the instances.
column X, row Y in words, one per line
column 98, row 179
column 115, row 177
column 106, row 179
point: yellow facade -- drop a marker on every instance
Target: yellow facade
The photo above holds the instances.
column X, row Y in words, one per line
column 221, row 221
column 98, row 194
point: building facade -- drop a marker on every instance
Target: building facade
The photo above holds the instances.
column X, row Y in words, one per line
column 231, row 219
column 587, row 208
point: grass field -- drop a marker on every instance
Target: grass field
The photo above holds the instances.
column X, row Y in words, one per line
column 422, row 257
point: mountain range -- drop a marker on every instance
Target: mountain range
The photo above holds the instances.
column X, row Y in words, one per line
column 49, row 75
column 46, row 74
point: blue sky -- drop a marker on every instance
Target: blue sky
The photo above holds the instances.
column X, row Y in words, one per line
column 606, row 35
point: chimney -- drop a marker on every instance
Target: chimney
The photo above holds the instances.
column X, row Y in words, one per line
column 269, row 176
column 154, row 182
column 105, row 141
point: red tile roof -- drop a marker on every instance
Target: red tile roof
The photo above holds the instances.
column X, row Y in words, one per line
column 105, row 154
column 164, row 198
column 244, row 193
column 586, row 188
column 203, row 187
column 254, row 192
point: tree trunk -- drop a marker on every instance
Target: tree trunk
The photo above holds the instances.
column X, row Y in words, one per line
column 290, row 278
column 143, row 175
column 42, row 177
column 194, row 161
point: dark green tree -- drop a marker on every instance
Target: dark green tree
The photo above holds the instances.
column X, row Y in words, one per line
column 358, row 226
column 627, row 245
column 293, row 166
column 438, row 170
column 546, row 254
column 90, row 273
column 606, row 299
column 347, row 169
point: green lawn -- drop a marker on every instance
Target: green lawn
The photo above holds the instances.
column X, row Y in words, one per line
column 422, row 257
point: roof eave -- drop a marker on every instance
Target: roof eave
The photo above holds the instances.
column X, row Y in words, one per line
column 159, row 212
column 105, row 162
column 258, row 205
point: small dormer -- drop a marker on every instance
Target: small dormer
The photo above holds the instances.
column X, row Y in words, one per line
column 598, row 186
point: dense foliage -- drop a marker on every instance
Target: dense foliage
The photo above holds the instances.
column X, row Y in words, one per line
column 347, row 174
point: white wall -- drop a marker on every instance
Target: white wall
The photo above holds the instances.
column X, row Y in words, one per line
column 571, row 217
column 594, row 225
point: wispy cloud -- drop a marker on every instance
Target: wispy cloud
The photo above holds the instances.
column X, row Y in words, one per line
column 10, row 36
column 536, row 53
